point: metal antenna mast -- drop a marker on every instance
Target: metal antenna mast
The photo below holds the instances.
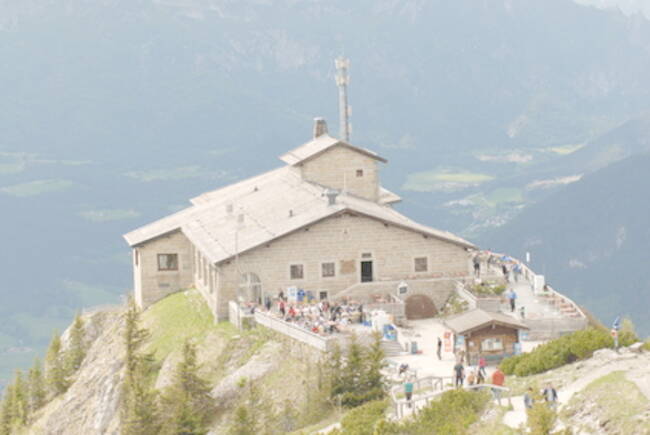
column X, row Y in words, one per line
column 342, row 81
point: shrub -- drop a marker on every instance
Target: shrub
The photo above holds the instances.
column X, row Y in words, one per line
column 646, row 345
column 541, row 419
column 555, row 353
column 627, row 335
column 362, row 420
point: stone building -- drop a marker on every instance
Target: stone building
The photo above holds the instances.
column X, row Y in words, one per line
column 322, row 223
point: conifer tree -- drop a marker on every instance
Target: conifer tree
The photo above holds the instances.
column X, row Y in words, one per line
column 254, row 415
column 6, row 411
column 19, row 401
column 373, row 380
column 187, row 402
column 54, row 371
column 36, row 387
column 352, row 374
column 333, row 372
column 76, row 353
column 138, row 404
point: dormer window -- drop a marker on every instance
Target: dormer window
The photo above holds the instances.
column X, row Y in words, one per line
column 359, row 173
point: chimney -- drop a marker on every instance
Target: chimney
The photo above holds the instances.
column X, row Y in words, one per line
column 331, row 196
column 320, row 127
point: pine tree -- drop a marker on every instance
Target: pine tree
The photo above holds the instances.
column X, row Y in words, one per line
column 6, row 411
column 332, row 368
column 254, row 416
column 19, row 402
column 54, row 371
column 76, row 353
column 36, row 387
column 352, row 375
column 138, row 401
column 373, row 380
column 187, row 402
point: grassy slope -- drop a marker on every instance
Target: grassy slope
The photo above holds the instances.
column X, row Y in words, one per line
column 615, row 400
column 223, row 349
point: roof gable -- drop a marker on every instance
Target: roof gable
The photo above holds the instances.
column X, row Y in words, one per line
column 320, row 145
column 477, row 319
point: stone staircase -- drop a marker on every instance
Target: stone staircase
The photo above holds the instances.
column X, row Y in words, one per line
column 392, row 348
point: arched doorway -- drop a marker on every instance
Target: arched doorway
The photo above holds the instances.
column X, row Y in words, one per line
column 250, row 288
column 420, row 307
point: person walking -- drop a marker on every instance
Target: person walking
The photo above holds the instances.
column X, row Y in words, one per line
column 439, row 351
column 408, row 391
column 481, row 367
column 512, row 297
column 517, row 271
column 529, row 401
column 550, row 396
column 459, row 374
column 498, row 379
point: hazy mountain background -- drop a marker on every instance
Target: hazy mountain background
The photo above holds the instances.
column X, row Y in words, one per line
column 115, row 112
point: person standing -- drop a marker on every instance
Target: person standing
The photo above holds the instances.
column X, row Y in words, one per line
column 459, row 374
column 481, row 367
column 512, row 297
column 528, row 399
column 408, row 390
column 550, row 396
column 439, row 351
column 498, row 379
column 477, row 266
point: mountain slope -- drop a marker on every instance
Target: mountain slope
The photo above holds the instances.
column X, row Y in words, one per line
column 590, row 239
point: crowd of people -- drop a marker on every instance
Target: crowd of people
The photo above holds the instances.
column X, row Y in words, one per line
column 320, row 317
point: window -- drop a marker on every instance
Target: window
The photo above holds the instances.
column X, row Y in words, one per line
column 167, row 261
column 366, row 255
column 492, row 344
column 296, row 271
column 328, row 270
column 322, row 295
column 420, row 264
column 359, row 173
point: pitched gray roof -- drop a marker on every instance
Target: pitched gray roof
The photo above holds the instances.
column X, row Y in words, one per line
column 319, row 145
column 476, row 318
column 272, row 205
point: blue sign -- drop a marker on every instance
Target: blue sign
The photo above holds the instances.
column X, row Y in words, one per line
column 617, row 323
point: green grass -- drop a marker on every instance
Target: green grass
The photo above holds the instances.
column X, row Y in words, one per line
column 181, row 173
column 108, row 215
column 429, row 181
column 178, row 317
column 37, row 187
column 505, row 195
column 564, row 150
column 494, row 424
column 618, row 402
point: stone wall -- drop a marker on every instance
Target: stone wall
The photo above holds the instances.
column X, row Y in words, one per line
column 337, row 168
column 151, row 284
column 343, row 240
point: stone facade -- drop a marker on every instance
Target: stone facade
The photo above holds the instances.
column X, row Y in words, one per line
column 343, row 168
column 152, row 284
column 344, row 240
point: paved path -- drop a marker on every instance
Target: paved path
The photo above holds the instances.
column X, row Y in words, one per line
column 637, row 370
